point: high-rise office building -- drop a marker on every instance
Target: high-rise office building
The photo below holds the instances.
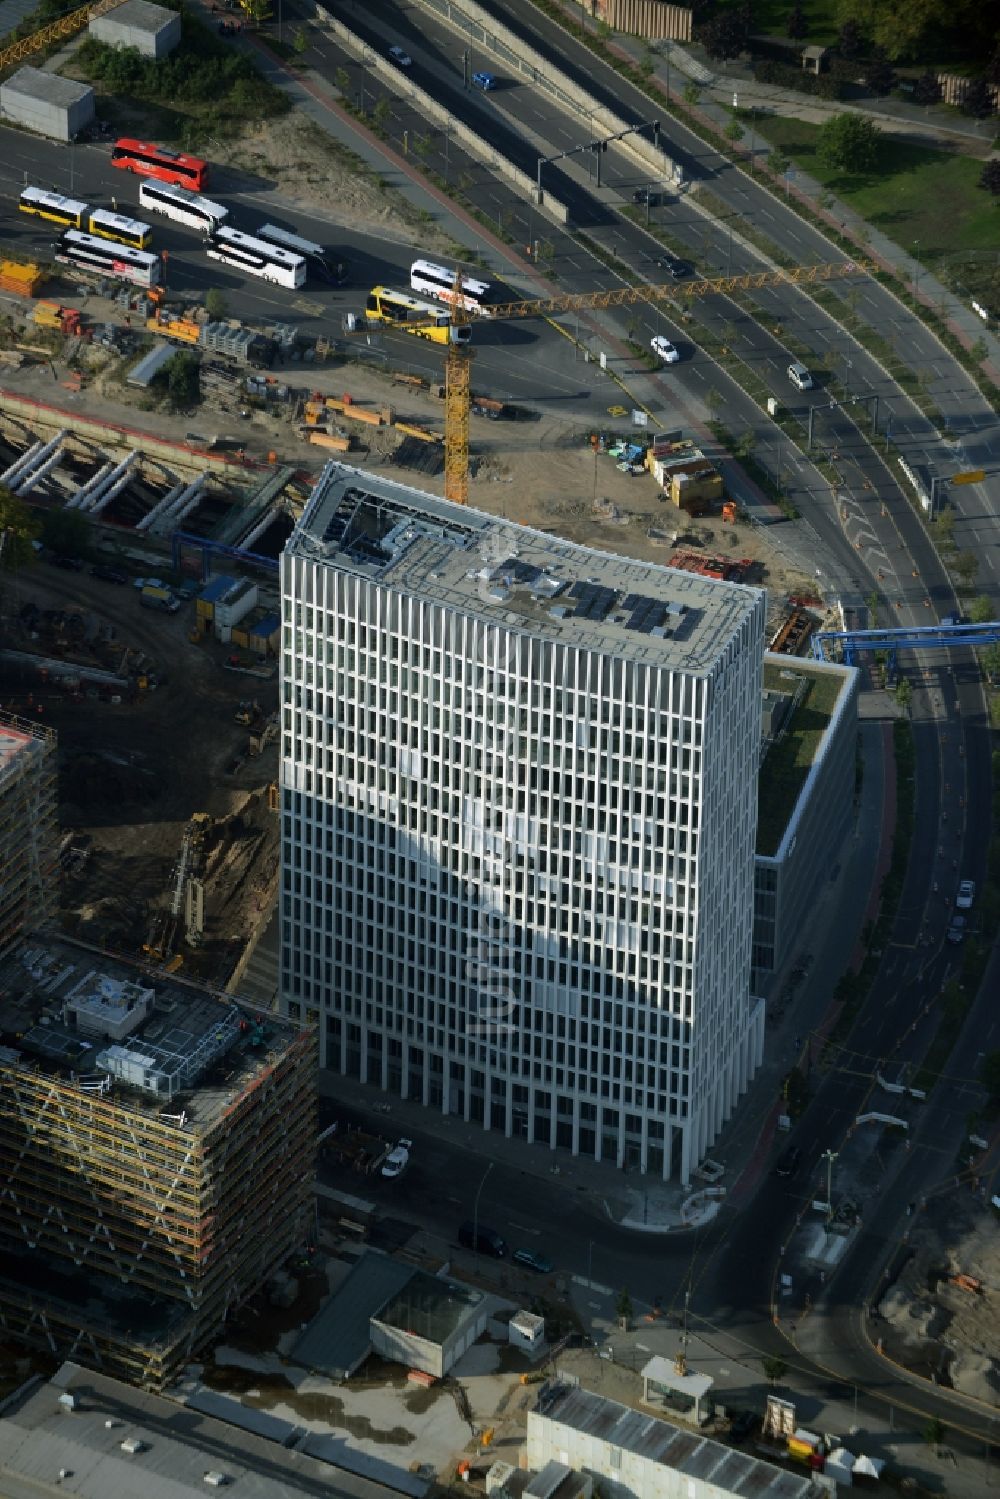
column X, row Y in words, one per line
column 518, row 788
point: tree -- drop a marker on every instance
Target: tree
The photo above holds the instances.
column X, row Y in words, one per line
column 849, row 143
column 692, row 93
column 623, row 1307
column 879, row 76
column 945, row 523
column 797, row 26
column 904, row 693
column 989, row 1075
column 849, row 41
column 342, row 79
column 19, row 527
column 381, row 113
column 734, row 130
column 981, row 610
column 179, row 379
column 872, row 602
column 927, row 90
column 978, row 101
column 934, row 1432
column 966, row 564
column 724, row 35
column 989, row 177
column 300, row 41
column 908, row 28
column 215, row 304
column 66, row 532
column 775, row 1368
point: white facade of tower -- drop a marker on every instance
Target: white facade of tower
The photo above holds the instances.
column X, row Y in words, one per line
column 519, row 784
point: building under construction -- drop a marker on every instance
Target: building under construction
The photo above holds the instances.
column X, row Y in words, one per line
column 28, row 839
column 156, row 1148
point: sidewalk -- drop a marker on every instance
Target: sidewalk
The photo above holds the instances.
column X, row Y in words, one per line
column 717, row 111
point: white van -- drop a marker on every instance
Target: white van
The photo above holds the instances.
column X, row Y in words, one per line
column 800, row 376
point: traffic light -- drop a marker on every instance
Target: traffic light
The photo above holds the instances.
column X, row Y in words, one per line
column 656, row 132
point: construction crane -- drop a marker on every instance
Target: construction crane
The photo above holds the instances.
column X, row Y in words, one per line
column 458, row 360
column 162, row 936
column 56, row 31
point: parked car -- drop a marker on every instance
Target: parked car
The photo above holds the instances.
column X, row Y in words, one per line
column 485, row 81
column 400, row 58
column 957, row 929
column 71, row 564
column 533, row 1261
column 108, row 574
column 966, row 895
column 788, row 1161
column 664, row 349
column 398, row 1158
column 140, row 583
column 485, row 1240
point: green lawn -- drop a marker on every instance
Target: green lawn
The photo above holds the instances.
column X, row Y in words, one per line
column 915, row 193
column 787, row 764
column 770, row 18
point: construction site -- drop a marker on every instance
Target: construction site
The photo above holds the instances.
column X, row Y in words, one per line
column 159, row 1141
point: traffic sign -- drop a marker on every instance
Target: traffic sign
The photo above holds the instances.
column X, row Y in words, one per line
column 971, row 476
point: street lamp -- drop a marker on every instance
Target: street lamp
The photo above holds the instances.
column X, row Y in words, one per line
column 916, row 264
column 475, row 1211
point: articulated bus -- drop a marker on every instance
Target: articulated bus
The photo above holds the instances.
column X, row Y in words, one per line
column 156, row 161
column 407, row 314
column 117, row 227
column 256, row 257
column 438, row 281
column 90, row 253
column 68, row 212
column 182, row 205
column 315, row 256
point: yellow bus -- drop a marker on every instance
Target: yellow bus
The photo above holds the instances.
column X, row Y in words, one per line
column 411, row 315
column 123, row 230
column 68, row 212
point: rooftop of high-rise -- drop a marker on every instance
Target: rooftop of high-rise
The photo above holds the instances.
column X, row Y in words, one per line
column 511, row 575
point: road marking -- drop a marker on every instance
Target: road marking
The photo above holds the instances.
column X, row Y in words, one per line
column 522, row 1229
column 591, row 1285
column 644, row 1347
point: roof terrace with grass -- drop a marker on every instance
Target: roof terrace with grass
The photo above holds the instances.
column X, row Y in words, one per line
column 802, row 699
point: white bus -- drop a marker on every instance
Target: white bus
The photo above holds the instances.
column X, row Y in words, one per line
column 314, row 255
column 90, row 253
column 116, row 226
column 182, row 205
column 69, row 212
column 438, row 281
column 256, row 257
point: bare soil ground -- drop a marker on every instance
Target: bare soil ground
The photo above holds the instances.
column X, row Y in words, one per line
column 131, row 775
column 935, row 1326
column 329, row 181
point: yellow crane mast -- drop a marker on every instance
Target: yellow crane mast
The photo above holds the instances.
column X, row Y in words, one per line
column 56, row 31
column 459, row 357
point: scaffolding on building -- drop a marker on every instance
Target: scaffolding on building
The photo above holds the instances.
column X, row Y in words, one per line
column 181, row 1207
column 29, row 850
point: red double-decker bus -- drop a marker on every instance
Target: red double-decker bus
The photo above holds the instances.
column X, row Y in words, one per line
column 156, row 161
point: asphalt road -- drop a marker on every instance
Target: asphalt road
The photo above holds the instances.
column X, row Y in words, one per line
column 533, row 364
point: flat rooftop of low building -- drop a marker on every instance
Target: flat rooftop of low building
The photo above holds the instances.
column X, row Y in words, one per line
column 686, row 1452
column 430, row 1308
column 167, row 1047
column 815, row 689
column 178, row 1447
column 50, row 88
column 19, row 744
column 141, row 15
column 510, row 575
